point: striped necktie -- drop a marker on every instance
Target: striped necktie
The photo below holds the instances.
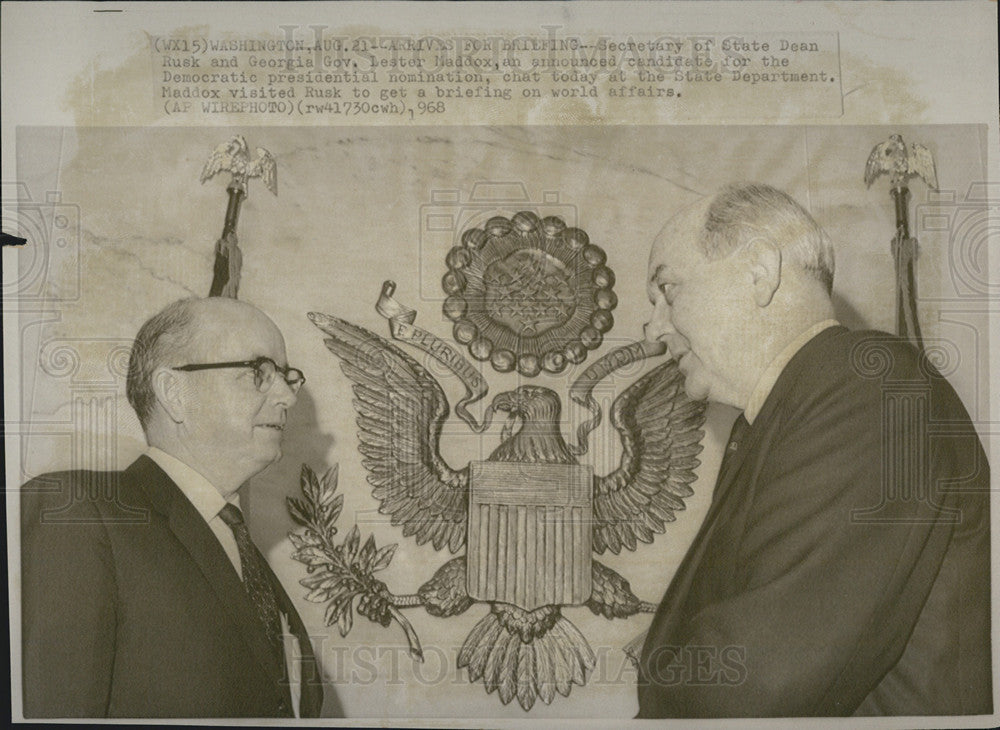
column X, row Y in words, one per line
column 257, row 584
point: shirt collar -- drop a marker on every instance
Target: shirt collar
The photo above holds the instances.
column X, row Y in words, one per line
column 770, row 375
column 199, row 491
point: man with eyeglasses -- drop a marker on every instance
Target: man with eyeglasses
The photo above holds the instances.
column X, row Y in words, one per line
column 143, row 593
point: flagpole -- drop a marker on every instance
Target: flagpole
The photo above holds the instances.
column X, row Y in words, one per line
column 234, row 157
column 901, row 162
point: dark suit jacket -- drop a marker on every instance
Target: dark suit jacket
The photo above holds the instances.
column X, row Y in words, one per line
column 131, row 608
column 843, row 566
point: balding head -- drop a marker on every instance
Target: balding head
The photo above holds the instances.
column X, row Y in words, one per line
column 197, row 383
column 731, row 279
column 741, row 212
column 183, row 332
column 165, row 334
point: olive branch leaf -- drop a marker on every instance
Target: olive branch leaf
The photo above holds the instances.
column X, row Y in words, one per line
column 339, row 573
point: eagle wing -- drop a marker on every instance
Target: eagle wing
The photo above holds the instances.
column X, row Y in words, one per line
column 876, row 162
column 922, row 163
column 267, row 168
column 222, row 158
column 660, row 430
column 401, row 409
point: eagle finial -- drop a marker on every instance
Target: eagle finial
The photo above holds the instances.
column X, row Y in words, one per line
column 901, row 162
column 234, row 156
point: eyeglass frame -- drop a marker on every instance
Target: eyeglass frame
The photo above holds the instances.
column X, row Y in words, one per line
column 255, row 365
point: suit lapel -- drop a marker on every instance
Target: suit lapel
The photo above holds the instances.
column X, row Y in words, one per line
column 198, row 539
column 732, row 465
column 670, row 609
column 665, row 620
column 770, row 409
column 680, row 585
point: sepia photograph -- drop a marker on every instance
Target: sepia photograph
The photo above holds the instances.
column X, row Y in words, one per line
column 498, row 373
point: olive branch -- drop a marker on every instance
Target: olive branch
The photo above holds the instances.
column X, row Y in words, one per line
column 339, row 573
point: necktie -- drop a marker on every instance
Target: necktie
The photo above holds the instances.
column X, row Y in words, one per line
column 257, row 584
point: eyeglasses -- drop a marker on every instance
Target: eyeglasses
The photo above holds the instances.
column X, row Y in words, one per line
column 264, row 371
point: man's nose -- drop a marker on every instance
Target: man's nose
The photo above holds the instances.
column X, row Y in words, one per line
column 659, row 325
column 282, row 393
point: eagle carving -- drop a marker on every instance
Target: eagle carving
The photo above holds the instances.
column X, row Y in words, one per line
column 234, row 157
column 900, row 162
column 527, row 520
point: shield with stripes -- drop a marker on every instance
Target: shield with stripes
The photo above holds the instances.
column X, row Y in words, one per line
column 529, row 536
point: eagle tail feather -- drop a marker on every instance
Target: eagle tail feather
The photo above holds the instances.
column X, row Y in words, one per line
column 526, row 664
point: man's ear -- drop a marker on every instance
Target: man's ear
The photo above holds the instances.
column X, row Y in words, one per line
column 169, row 389
column 765, row 266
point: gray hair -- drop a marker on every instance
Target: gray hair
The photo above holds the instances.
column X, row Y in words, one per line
column 743, row 211
column 159, row 338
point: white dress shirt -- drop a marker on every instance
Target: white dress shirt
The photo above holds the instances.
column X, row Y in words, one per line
column 209, row 502
column 771, row 373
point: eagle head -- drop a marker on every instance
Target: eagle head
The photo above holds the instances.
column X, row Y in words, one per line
column 528, row 401
column 537, row 410
column 238, row 145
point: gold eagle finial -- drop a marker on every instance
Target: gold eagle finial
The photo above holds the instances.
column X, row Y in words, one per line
column 901, row 162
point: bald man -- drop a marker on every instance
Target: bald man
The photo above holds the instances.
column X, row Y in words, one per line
column 143, row 594
column 843, row 567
